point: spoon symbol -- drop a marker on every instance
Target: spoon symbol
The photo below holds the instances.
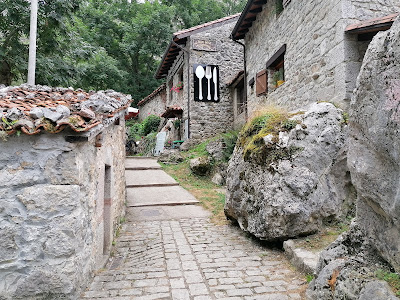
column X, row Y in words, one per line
column 200, row 75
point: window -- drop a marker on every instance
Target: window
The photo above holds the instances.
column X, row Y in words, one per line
column 261, row 83
column 170, row 86
column 240, row 102
column 276, row 67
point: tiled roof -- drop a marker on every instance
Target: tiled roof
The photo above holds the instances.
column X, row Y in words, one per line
column 172, row 111
column 187, row 32
column 32, row 109
column 152, row 95
column 237, row 76
column 180, row 37
column 372, row 25
column 246, row 19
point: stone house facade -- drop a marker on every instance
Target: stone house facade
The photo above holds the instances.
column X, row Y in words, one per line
column 153, row 104
column 207, row 46
column 62, row 188
column 297, row 52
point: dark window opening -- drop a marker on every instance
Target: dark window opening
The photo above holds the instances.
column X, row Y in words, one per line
column 107, row 210
column 170, row 88
column 240, row 97
column 276, row 66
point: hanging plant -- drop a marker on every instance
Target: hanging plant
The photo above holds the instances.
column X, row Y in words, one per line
column 177, row 88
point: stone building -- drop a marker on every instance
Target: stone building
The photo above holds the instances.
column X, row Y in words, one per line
column 153, row 104
column 299, row 52
column 198, row 65
column 62, row 188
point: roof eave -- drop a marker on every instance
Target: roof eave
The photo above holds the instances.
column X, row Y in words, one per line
column 235, row 35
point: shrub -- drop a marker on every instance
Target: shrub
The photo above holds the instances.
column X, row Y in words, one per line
column 150, row 124
column 230, row 139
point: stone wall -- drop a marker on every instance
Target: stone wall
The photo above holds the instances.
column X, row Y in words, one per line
column 52, row 214
column 321, row 62
column 208, row 118
column 154, row 106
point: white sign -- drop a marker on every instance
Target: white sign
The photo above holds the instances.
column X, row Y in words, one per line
column 161, row 136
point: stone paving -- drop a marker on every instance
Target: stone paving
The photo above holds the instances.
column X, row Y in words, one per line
column 182, row 255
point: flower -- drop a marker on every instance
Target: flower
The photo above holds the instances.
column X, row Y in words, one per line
column 178, row 87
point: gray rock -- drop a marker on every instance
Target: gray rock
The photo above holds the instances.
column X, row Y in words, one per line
column 63, row 110
column 294, row 191
column 170, row 156
column 51, row 115
column 87, row 113
column 216, row 149
column 374, row 143
column 218, row 179
column 377, row 290
column 200, row 166
column 36, row 113
column 355, row 263
column 14, row 114
column 304, row 260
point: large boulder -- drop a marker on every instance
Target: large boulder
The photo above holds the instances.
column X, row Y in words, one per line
column 373, row 243
column 374, row 144
column 301, row 180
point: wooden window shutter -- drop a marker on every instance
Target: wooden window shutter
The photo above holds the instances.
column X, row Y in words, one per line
column 261, row 83
column 286, row 2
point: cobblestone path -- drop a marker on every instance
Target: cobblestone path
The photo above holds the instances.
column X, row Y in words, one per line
column 189, row 258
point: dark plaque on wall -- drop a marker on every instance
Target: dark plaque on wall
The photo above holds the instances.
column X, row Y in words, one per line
column 206, row 83
column 204, row 45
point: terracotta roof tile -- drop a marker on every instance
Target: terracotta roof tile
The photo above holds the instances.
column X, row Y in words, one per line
column 152, row 95
column 372, row 25
column 180, row 37
column 32, row 109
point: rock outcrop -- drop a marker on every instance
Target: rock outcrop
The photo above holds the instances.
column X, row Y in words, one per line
column 301, row 181
column 347, row 270
column 374, row 156
column 373, row 243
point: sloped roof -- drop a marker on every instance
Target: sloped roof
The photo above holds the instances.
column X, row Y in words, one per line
column 248, row 16
column 172, row 111
column 33, row 109
column 180, row 37
column 152, row 95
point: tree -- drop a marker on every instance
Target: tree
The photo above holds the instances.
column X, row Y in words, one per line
column 14, row 33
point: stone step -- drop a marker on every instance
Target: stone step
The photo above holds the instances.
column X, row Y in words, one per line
column 141, row 163
column 160, row 213
column 305, row 261
column 162, row 195
column 140, row 178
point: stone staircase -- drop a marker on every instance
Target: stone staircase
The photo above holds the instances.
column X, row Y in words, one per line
column 148, row 185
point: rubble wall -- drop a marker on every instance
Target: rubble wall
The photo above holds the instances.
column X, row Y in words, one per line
column 51, row 212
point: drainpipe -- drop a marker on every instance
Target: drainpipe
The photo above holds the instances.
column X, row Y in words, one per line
column 244, row 75
column 188, row 83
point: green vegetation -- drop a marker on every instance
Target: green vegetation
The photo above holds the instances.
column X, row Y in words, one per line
column 144, row 132
column 99, row 44
column 268, row 122
column 393, row 279
column 208, row 193
column 309, row 277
